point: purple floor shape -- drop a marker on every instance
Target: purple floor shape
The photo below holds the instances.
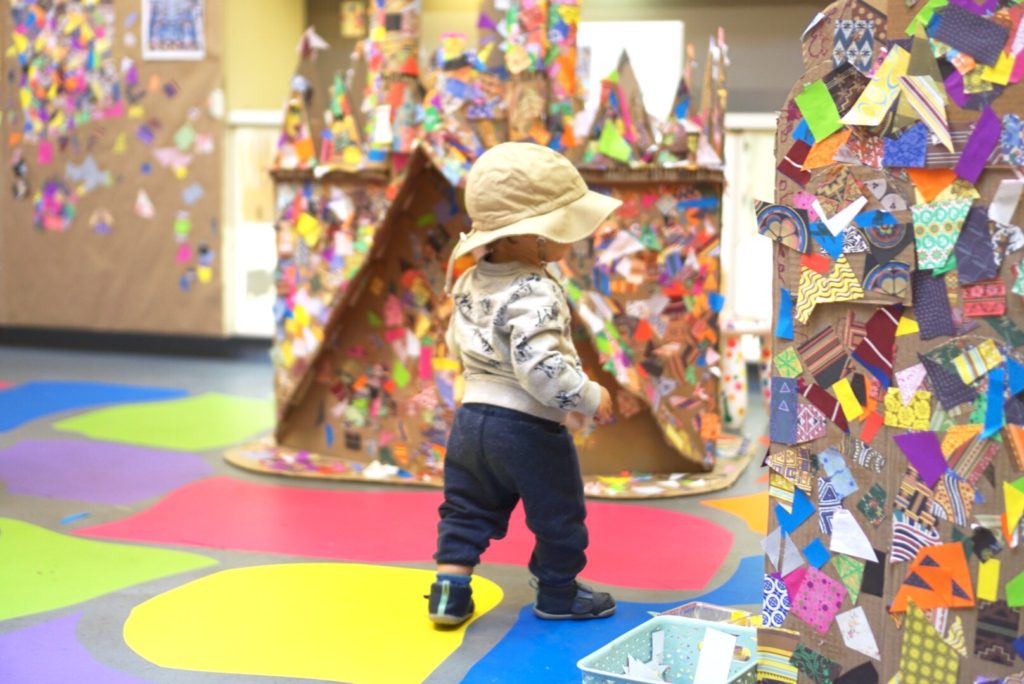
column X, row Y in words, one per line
column 96, row 472
column 49, row 653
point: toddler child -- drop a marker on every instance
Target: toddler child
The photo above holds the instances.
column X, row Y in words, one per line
column 510, row 327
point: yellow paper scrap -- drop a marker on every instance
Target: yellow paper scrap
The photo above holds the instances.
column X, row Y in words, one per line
column 988, row 580
column 907, row 326
column 1001, row 72
column 847, row 399
column 841, row 284
column 1014, row 502
column 309, row 228
column 881, row 93
column 204, row 273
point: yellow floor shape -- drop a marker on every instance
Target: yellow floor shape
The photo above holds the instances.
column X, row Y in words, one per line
column 340, row 622
column 753, row 509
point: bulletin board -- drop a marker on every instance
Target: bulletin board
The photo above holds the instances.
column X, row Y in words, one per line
column 896, row 408
column 118, row 223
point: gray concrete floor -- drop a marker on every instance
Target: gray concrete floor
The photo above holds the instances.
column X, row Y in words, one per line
column 101, row 627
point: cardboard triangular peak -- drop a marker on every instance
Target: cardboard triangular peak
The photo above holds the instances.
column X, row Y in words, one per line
column 381, row 391
column 621, row 131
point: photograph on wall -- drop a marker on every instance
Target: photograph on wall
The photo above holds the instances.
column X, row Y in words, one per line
column 173, row 30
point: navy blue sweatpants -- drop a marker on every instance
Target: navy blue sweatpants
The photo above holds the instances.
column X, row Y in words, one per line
column 497, row 456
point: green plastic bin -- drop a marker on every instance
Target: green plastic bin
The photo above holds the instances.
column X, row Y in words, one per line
column 681, row 639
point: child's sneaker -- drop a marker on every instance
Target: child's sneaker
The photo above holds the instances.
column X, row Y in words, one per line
column 574, row 602
column 451, row 603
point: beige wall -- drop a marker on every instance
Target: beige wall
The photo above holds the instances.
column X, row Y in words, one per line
column 259, row 51
column 763, row 36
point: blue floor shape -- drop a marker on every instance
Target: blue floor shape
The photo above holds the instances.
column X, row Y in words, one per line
column 542, row 652
column 27, row 402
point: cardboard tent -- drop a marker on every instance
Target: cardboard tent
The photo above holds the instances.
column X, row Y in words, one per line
column 895, row 460
column 375, row 397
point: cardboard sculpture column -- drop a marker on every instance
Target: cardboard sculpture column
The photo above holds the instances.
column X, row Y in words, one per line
column 896, row 468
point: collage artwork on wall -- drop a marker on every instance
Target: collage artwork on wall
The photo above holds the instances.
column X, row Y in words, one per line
column 897, row 415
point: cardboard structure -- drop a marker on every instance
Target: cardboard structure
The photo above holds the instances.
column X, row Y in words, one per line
column 896, row 417
column 364, row 385
column 111, row 169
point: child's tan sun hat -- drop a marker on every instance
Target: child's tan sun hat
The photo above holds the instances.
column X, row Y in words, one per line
column 527, row 189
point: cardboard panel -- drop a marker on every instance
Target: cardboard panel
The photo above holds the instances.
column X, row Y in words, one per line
column 984, row 503
column 142, row 275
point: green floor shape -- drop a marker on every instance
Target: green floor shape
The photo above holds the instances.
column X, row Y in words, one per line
column 42, row 570
column 206, row 421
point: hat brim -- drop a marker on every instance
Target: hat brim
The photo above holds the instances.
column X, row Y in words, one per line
column 568, row 224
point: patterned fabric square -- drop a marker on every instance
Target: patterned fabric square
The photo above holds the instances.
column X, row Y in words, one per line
column 820, row 669
column 818, row 600
column 784, row 410
column 840, row 284
column 851, row 574
column 913, row 416
column 997, row 628
column 863, row 454
column 781, row 490
column 931, row 304
column 787, row 363
column 1011, row 141
column 792, row 164
column 853, row 43
column 839, row 475
column 854, row 331
column 811, row 424
column 915, row 499
column 909, row 150
column 872, row 505
column 937, row 226
column 845, row 83
column 824, row 356
column 971, row 34
column 985, row 298
column 794, row 465
column 925, row 657
column 829, row 501
column 775, row 604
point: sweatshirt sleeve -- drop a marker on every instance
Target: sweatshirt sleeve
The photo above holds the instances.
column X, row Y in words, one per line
column 543, row 356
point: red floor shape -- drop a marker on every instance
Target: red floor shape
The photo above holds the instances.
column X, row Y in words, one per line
column 630, row 546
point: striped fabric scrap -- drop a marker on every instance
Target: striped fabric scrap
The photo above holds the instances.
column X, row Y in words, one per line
column 914, row 499
column 909, row 537
column 924, row 95
column 970, row 460
column 775, row 647
column 824, row 356
column 978, row 361
column 954, row 500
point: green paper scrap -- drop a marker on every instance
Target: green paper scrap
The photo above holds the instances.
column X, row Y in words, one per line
column 44, row 570
column 184, row 138
column 198, row 423
column 182, row 226
column 819, row 110
column 374, row 319
column 427, row 219
column 612, row 145
column 400, row 374
column 431, row 119
column 602, row 343
column 1015, row 591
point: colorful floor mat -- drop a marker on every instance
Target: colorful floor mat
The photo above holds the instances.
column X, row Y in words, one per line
column 20, row 404
column 42, row 570
column 631, row 546
column 325, row 621
column 541, row 652
column 114, row 473
column 207, row 421
column 49, row 653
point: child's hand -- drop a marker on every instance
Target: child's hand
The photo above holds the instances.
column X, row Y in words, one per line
column 605, row 410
